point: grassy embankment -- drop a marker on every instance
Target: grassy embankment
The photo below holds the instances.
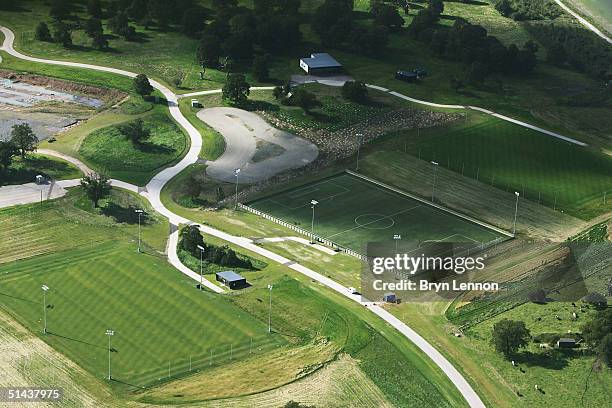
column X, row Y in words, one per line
column 25, row 170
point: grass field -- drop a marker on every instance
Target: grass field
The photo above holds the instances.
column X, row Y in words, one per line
column 98, row 281
column 26, row 170
column 107, row 150
column 543, row 169
column 353, row 212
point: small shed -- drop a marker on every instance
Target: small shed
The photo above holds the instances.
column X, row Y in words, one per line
column 40, row 179
column 231, row 279
column 195, row 103
column 566, row 343
column 389, row 297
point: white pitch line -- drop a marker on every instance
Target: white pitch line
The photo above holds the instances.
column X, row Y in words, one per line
column 371, row 222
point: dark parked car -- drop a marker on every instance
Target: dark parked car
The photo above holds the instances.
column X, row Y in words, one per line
column 406, row 76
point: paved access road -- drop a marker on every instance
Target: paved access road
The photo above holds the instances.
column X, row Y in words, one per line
column 243, row 131
column 153, row 195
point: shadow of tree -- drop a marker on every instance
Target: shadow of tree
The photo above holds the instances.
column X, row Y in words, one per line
column 126, row 215
column 555, row 359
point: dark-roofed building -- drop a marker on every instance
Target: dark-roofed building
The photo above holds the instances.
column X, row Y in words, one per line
column 320, row 63
column 566, row 343
column 231, row 279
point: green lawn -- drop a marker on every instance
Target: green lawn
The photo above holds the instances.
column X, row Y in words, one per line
column 543, row 169
column 98, row 281
column 25, row 170
column 353, row 212
column 108, row 151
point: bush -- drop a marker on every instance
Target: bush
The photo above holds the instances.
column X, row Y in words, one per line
column 355, row 91
column 595, row 299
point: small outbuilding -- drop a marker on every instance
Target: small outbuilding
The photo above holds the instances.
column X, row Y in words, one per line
column 320, row 63
column 195, row 103
column 389, row 297
column 40, row 179
column 566, row 343
column 231, row 279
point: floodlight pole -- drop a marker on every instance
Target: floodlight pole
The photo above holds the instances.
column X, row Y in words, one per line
column 201, row 248
column 433, row 187
column 313, row 204
column 44, row 288
column 236, row 172
column 516, row 193
column 270, row 310
column 360, row 138
column 139, row 212
column 110, row 334
column 396, row 238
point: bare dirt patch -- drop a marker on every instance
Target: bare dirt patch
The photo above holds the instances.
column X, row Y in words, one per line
column 108, row 95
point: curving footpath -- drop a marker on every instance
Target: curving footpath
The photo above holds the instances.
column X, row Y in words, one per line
column 153, row 191
column 584, row 22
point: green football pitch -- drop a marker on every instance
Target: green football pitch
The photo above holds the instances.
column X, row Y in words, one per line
column 352, row 212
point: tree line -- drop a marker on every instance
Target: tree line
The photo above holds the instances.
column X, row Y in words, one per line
column 575, row 47
column 472, row 45
column 192, row 240
column 520, row 10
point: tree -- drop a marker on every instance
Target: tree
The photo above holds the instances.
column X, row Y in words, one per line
column 135, row 131
column 260, row 68
column 193, row 189
column 305, row 100
column 437, row 6
column 597, row 328
column 62, row 35
column 42, row 32
column 388, row 16
column 355, row 91
column 191, row 237
column 119, row 24
column 508, row 336
column 7, row 152
column 236, row 88
column 209, row 51
column 96, row 187
column 94, row 8
column 239, row 47
column 24, row 139
column 93, row 27
column 60, row 9
column 294, row 404
column 220, row 194
column 192, row 22
column 604, row 351
column 595, row 299
column 455, row 83
column 99, row 42
column 142, row 85
column 477, row 73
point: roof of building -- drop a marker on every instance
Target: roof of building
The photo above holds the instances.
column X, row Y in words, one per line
column 230, row 276
column 321, row 60
column 566, row 340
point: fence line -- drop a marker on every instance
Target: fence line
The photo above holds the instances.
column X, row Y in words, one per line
column 433, row 204
column 309, row 234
